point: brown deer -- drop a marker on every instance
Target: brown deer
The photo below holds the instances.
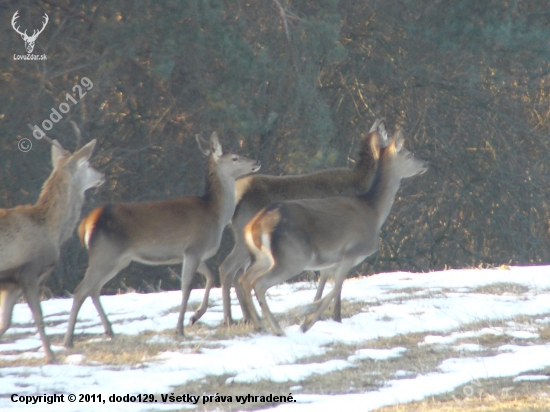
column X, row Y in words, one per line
column 31, row 235
column 186, row 230
column 334, row 234
column 255, row 192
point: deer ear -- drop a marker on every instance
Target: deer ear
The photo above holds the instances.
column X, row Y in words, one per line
column 380, row 127
column 57, row 153
column 375, row 145
column 215, row 145
column 399, row 139
column 204, row 145
column 85, row 153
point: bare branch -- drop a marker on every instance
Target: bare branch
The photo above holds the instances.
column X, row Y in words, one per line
column 283, row 18
column 287, row 32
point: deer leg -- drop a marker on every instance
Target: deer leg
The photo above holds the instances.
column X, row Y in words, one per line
column 231, row 266
column 102, row 315
column 258, row 268
column 260, row 290
column 326, row 274
column 78, row 300
column 274, row 276
column 240, row 294
column 9, row 294
column 101, row 269
column 189, row 268
column 339, row 276
column 321, row 306
column 321, row 285
column 337, row 313
column 207, row 273
column 31, row 291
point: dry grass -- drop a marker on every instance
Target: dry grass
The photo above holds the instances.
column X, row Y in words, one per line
column 490, row 395
column 365, row 375
column 20, row 362
column 501, row 288
column 124, row 350
column 408, row 290
column 368, row 375
column 544, row 332
column 488, row 403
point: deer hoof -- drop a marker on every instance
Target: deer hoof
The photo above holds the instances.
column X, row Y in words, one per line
column 305, row 327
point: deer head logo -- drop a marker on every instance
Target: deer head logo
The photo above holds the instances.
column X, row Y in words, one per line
column 29, row 40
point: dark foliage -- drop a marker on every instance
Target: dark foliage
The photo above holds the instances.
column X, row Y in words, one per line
column 296, row 86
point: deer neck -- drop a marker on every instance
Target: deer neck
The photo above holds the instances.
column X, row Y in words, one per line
column 59, row 206
column 381, row 195
column 363, row 175
column 220, row 193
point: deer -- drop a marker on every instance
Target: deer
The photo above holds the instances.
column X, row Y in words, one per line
column 185, row 230
column 31, row 236
column 334, row 234
column 29, row 40
column 257, row 191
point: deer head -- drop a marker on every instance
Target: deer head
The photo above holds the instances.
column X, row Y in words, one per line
column 29, row 40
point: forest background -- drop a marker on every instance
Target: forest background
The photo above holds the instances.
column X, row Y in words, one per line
column 295, row 84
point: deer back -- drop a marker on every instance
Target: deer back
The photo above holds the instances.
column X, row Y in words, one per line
column 255, row 192
column 319, row 233
column 162, row 231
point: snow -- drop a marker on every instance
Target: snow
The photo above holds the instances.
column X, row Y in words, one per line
column 446, row 306
column 468, row 347
column 531, row 378
column 290, row 373
column 376, row 354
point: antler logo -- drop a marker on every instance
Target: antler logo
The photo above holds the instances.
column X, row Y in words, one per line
column 29, row 40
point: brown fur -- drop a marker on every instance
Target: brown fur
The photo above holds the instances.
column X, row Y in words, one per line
column 334, row 233
column 258, row 191
column 186, row 230
column 241, row 187
column 31, row 235
column 86, row 227
column 53, row 191
column 264, row 222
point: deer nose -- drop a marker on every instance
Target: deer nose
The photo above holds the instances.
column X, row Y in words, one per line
column 424, row 168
